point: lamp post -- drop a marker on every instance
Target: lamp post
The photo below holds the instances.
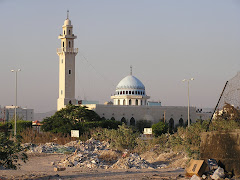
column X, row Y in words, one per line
column 15, row 123
column 188, row 98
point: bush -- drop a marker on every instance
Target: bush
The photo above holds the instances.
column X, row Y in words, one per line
column 159, row 128
column 122, row 138
column 10, row 152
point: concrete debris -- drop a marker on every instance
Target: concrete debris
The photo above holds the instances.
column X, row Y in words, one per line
column 59, row 169
column 195, row 177
column 218, row 174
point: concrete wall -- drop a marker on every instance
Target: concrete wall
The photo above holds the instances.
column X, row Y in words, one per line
column 152, row 113
column 224, row 147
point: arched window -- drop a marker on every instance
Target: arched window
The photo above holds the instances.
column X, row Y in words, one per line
column 136, row 102
column 69, row 44
column 120, row 92
column 64, row 32
column 136, row 92
column 130, row 102
column 69, row 32
column 132, row 92
column 143, row 93
column 126, row 92
column 123, row 92
column 113, row 119
column 123, row 120
column 181, row 122
column 63, row 44
column 132, row 121
column 171, row 125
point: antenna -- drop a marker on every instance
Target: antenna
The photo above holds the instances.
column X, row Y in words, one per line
column 131, row 70
column 67, row 14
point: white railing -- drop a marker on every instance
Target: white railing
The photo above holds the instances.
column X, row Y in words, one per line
column 68, row 50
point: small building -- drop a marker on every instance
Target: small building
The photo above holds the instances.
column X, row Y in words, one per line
column 22, row 113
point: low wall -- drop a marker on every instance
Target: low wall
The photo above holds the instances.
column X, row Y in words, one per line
column 224, row 146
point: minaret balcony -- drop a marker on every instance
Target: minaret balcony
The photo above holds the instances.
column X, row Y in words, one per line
column 67, row 36
column 67, row 50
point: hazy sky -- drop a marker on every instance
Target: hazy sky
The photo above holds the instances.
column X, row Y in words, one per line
column 165, row 42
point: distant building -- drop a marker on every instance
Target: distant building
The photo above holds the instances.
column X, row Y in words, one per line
column 8, row 113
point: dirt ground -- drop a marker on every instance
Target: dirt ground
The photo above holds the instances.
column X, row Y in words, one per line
column 39, row 167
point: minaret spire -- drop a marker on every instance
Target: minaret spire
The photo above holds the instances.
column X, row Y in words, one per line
column 131, row 70
column 67, row 14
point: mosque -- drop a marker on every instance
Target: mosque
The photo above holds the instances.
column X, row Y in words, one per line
column 130, row 101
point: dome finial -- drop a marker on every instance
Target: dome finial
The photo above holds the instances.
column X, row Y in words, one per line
column 67, row 14
column 131, row 70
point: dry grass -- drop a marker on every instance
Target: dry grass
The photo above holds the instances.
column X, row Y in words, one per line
column 109, row 155
column 32, row 136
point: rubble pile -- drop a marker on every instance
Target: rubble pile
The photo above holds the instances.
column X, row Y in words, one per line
column 92, row 154
column 133, row 161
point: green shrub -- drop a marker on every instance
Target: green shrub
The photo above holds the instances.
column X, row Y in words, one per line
column 159, row 128
column 10, row 152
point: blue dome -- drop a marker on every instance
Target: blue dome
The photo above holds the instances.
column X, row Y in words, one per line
column 130, row 82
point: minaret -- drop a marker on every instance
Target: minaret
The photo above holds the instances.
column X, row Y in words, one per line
column 66, row 54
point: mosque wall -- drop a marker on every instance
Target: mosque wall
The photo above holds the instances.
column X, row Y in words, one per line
column 151, row 113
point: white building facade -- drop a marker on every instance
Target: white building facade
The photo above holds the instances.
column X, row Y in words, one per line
column 66, row 54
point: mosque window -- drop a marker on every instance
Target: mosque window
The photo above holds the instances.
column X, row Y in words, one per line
column 69, row 32
column 135, row 92
column 64, row 32
column 130, row 92
column 132, row 121
column 69, row 44
column 120, row 92
column 141, row 92
column 138, row 92
column 63, row 44
column 126, row 92
column 70, row 71
column 123, row 92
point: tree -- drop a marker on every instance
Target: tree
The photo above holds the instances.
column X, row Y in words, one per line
column 10, row 152
column 71, row 117
column 159, row 128
column 141, row 124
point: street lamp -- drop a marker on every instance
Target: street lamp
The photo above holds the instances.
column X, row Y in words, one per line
column 188, row 98
column 15, row 126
